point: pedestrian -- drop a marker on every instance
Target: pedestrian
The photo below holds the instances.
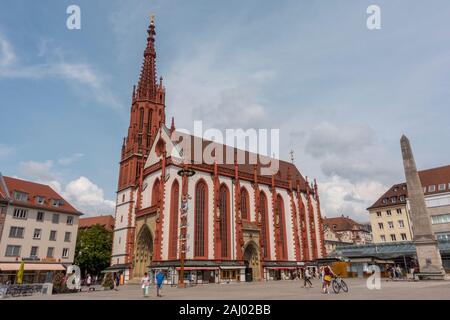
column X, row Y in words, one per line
column 88, row 281
column 159, row 283
column 327, row 277
column 399, row 272
column 307, row 278
column 145, row 284
column 117, row 282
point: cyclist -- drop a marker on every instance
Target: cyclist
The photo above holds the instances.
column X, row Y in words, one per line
column 328, row 275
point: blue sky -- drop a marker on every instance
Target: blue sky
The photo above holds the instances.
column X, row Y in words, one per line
column 340, row 94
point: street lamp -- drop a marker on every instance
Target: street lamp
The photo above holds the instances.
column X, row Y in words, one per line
column 184, row 173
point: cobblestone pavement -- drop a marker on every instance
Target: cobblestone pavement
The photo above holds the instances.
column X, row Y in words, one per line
column 279, row 290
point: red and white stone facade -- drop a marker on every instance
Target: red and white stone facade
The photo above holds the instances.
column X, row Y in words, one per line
column 240, row 224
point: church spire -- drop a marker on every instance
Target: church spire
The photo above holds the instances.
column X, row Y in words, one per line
column 147, row 81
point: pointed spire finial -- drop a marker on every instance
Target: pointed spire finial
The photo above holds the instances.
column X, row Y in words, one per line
column 152, row 18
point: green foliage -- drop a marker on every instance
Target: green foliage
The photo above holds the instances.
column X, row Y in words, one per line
column 93, row 249
column 108, row 282
column 59, row 283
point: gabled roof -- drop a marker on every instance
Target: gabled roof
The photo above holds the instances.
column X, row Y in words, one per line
column 105, row 221
column 285, row 169
column 398, row 193
column 33, row 190
column 342, row 224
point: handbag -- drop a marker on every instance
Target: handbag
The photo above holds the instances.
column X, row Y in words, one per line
column 327, row 278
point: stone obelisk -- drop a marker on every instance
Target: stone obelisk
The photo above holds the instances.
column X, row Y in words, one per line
column 428, row 255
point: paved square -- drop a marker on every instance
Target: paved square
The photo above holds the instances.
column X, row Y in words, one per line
column 279, row 290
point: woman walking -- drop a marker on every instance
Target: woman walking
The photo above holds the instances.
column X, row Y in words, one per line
column 327, row 277
column 145, row 284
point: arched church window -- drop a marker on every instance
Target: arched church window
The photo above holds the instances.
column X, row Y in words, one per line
column 245, row 214
column 264, row 223
column 224, row 220
column 155, row 192
column 201, row 203
column 141, row 119
column 281, row 223
column 174, row 206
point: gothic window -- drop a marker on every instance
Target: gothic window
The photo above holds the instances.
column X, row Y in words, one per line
column 174, row 206
column 281, row 224
column 264, row 223
column 201, row 203
column 150, row 116
column 244, row 205
column 224, row 220
column 141, row 119
column 155, row 192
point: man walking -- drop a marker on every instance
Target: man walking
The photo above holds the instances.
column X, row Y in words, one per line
column 307, row 278
column 159, row 283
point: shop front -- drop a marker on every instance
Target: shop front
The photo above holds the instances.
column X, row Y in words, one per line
column 33, row 272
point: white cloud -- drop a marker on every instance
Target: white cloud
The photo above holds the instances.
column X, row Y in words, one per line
column 88, row 197
column 41, row 171
column 329, row 139
column 76, row 74
column 7, row 55
column 82, row 193
column 350, row 152
column 71, row 159
column 5, row 151
column 342, row 197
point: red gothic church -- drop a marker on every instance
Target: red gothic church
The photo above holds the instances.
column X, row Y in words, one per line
column 240, row 225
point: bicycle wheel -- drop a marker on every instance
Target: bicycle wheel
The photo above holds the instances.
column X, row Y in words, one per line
column 336, row 286
column 344, row 286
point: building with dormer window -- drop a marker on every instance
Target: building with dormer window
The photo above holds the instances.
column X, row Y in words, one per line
column 389, row 215
column 34, row 230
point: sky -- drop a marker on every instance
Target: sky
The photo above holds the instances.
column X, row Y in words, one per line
column 342, row 95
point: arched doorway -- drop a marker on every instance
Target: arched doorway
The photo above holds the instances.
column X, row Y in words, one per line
column 252, row 262
column 144, row 252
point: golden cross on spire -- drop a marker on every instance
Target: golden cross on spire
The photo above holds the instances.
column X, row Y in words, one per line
column 152, row 18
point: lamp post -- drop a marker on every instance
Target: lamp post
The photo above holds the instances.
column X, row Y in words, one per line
column 184, row 173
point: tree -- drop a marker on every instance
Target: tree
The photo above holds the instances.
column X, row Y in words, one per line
column 93, row 249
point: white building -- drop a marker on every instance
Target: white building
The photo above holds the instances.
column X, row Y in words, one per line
column 37, row 226
column 241, row 224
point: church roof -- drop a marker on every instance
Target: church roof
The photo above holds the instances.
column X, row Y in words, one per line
column 249, row 159
column 438, row 177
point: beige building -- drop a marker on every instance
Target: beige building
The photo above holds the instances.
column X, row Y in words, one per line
column 347, row 231
column 38, row 227
column 389, row 215
column 333, row 239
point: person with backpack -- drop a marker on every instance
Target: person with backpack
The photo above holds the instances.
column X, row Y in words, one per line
column 159, row 283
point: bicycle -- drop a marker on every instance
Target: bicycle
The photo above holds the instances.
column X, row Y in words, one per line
column 338, row 284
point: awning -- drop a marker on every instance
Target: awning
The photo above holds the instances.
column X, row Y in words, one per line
column 198, row 268
column 282, row 268
column 232, row 267
column 116, row 268
column 32, row 267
